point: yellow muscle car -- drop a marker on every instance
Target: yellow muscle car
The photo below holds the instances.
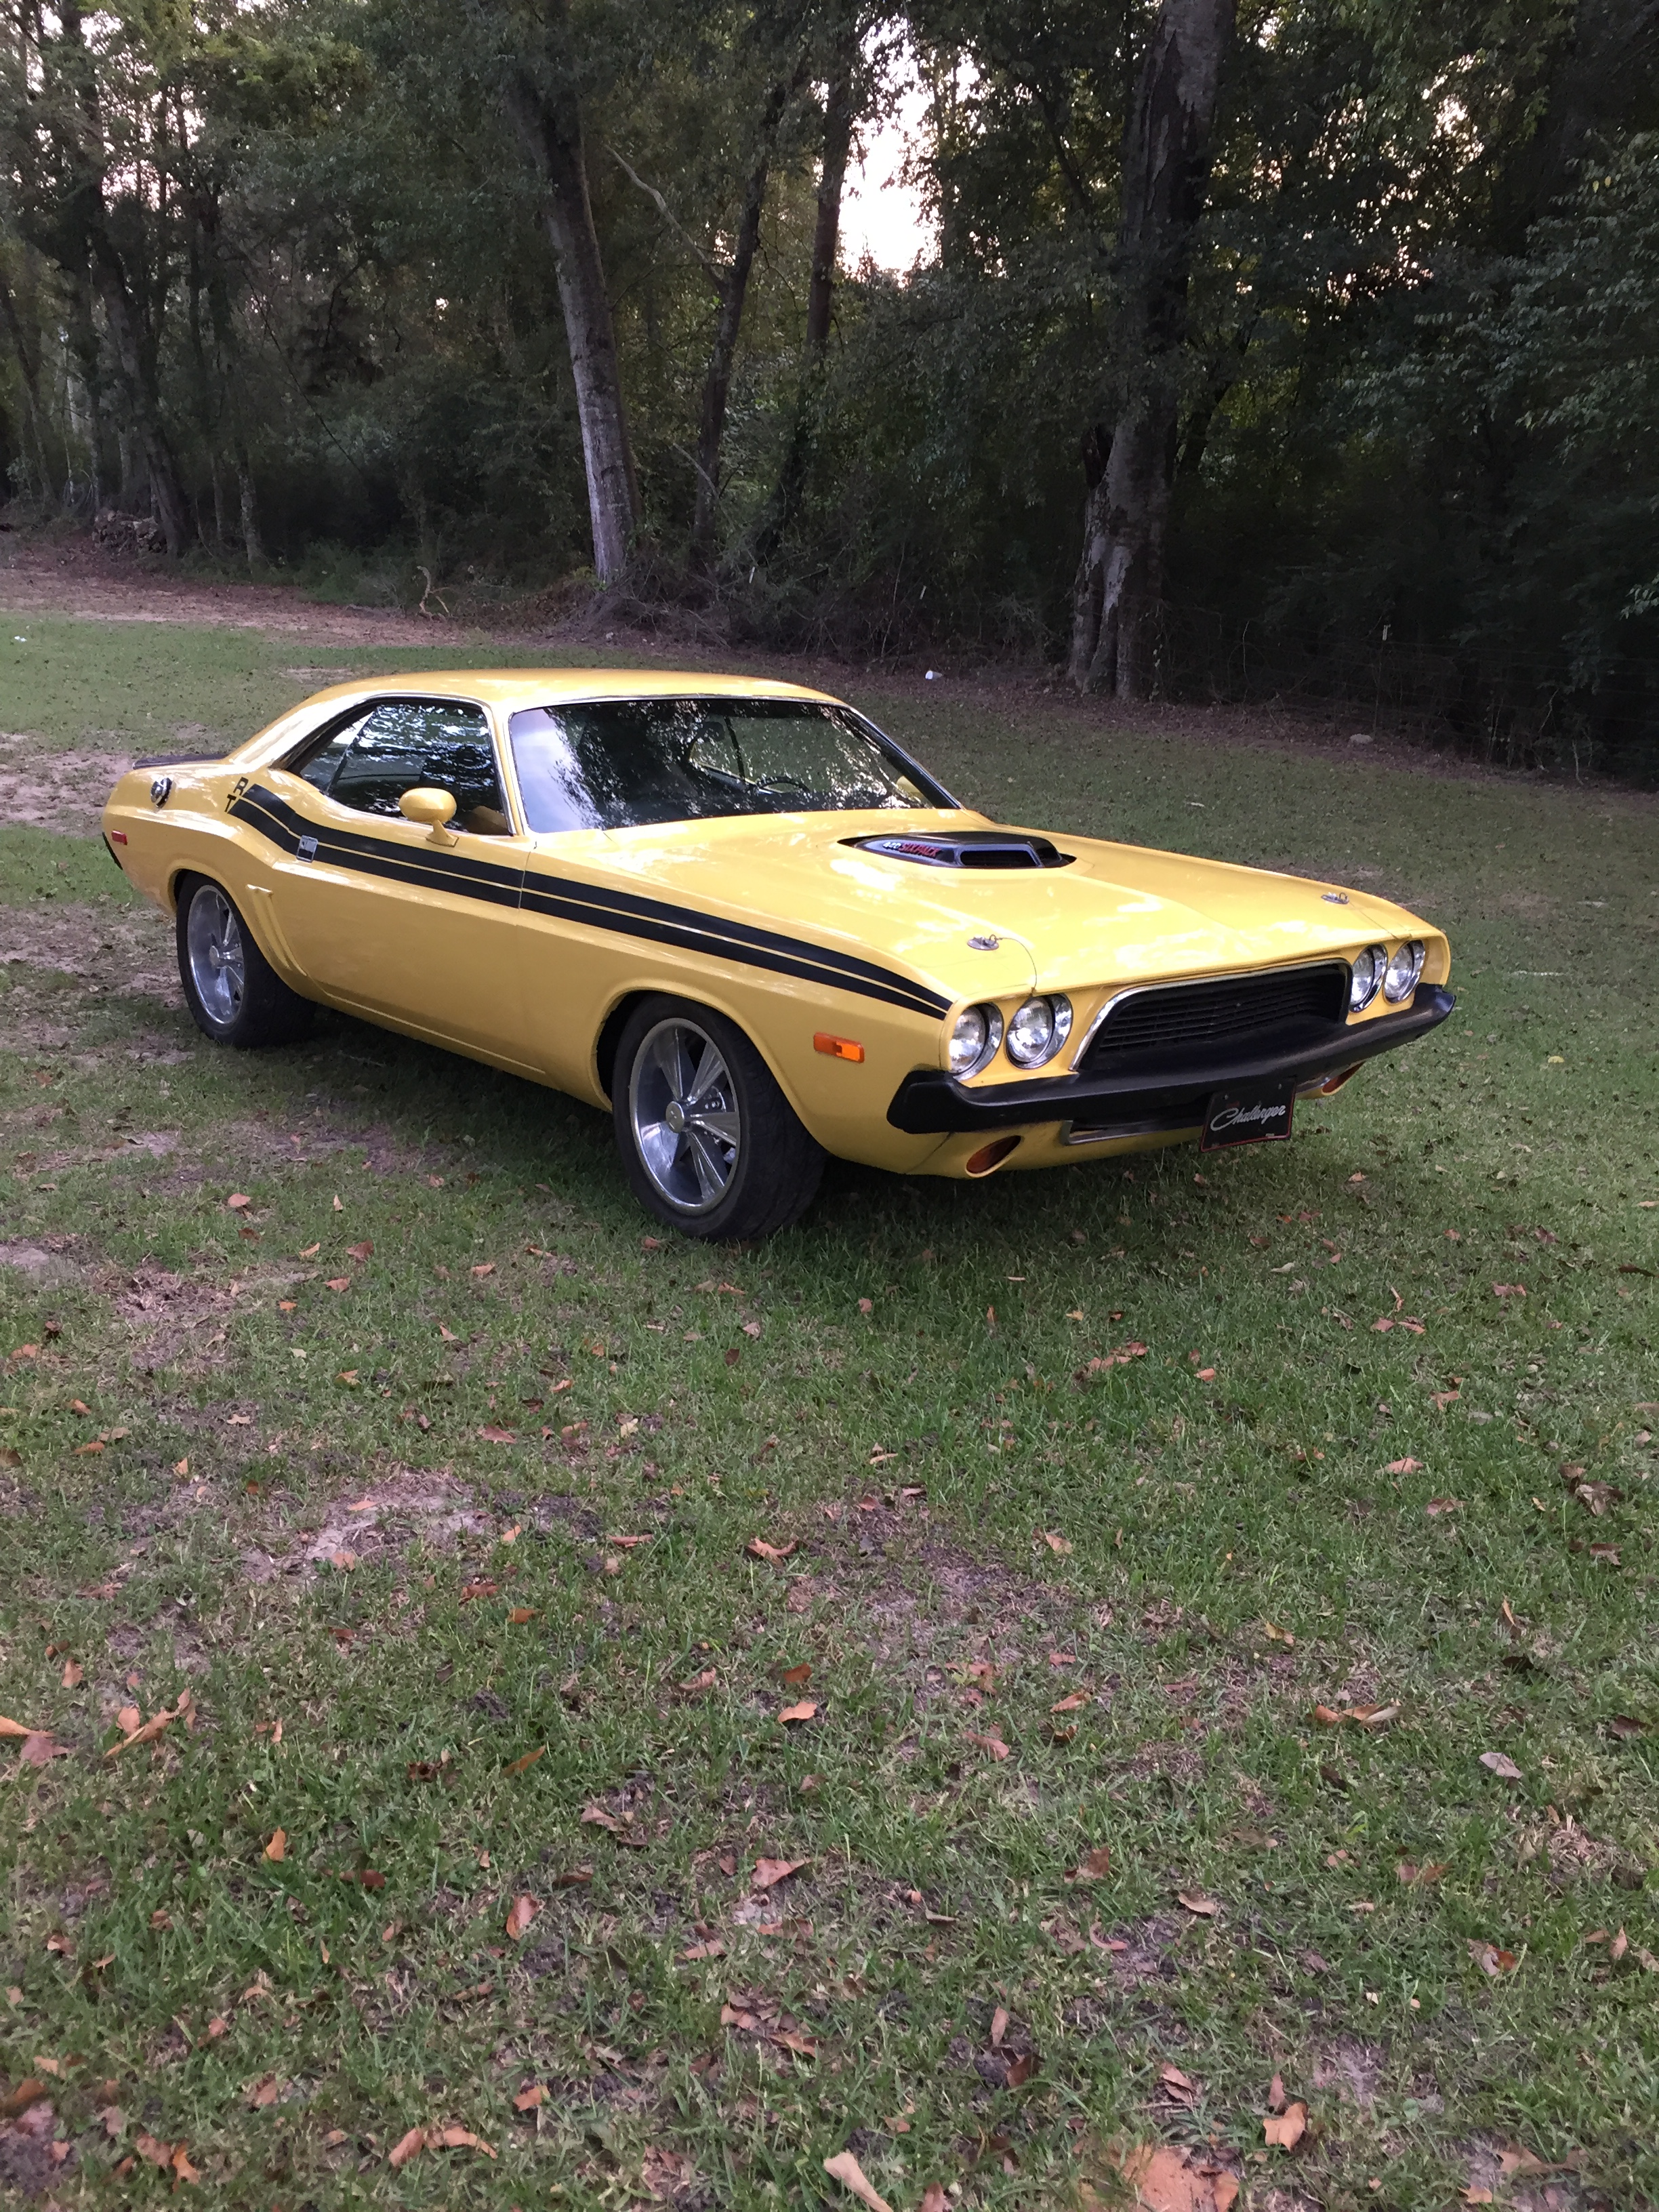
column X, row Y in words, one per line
column 740, row 918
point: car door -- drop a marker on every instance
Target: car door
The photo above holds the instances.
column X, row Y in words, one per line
column 387, row 918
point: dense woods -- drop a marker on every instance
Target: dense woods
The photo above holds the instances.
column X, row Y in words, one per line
column 1302, row 350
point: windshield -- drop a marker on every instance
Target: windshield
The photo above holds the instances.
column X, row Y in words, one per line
column 611, row 763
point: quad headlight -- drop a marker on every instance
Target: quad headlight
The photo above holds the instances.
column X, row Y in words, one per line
column 1368, row 971
column 1038, row 1030
column 975, row 1039
column 1403, row 970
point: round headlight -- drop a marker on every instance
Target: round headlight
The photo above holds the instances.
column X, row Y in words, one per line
column 1367, row 975
column 976, row 1035
column 1403, row 970
column 1038, row 1030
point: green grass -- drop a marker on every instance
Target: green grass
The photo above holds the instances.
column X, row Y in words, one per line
column 918, row 1455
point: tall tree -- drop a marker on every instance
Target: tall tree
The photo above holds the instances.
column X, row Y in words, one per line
column 1166, row 168
column 540, row 94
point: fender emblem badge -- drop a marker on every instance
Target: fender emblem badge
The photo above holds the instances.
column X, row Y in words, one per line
column 984, row 944
column 1334, row 898
column 159, row 790
column 308, row 849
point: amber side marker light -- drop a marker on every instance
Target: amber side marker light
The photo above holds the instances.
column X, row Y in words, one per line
column 837, row 1048
column 992, row 1155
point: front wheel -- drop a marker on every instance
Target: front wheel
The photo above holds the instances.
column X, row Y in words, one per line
column 232, row 990
column 710, row 1143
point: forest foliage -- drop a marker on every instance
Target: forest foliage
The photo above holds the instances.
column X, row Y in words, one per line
column 519, row 292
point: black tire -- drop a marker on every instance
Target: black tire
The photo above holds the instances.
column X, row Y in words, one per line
column 235, row 994
column 739, row 1164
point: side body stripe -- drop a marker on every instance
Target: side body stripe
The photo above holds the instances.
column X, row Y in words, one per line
column 627, row 914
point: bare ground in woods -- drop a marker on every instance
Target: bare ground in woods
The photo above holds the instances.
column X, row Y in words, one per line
column 66, row 573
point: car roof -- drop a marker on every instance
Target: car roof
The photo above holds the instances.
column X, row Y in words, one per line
column 540, row 687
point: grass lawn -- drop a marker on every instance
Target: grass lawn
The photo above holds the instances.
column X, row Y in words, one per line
column 477, row 1540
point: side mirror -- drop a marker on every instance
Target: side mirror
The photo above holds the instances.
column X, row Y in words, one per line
column 433, row 808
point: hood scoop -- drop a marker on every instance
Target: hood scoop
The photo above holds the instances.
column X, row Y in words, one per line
column 967, row 849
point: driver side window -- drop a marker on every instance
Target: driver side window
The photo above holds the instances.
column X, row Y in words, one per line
column 435, row 743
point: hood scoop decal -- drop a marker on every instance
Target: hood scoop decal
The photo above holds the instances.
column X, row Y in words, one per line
column 967, row 849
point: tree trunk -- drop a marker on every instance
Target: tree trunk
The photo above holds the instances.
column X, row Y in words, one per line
column 734, row 287
column 143, row 401
column 1166, row 167
column 840, row 113
column 550, row 128
column 826, row 230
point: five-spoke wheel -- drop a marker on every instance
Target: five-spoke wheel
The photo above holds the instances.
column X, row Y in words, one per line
column 682, row 1105
column 213, row 945
column 709, row 1141
column 235, row 994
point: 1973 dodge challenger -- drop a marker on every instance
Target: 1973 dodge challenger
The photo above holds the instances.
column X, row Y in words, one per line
column 742, row 919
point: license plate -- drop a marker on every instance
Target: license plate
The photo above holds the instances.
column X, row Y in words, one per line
column 1252, row 1117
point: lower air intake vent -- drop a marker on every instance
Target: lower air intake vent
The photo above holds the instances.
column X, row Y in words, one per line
column 968, row 849
column 1195, row 1016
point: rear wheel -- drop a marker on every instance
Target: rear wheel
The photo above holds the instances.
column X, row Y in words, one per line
column 233, row 991
column 710, row 1143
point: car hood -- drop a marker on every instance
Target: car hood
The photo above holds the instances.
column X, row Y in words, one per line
column 1116, row 914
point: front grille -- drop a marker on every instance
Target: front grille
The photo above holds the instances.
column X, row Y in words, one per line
column 1188, row 1017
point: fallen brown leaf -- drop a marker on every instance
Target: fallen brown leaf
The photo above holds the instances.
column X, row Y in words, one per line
column 796, row 1678
column 277, row 1849
column 1492, row 1961
column 768, row 1872
column 14, row 1728
column 1206, row 1907
column 1165, row 2179
column 1075, row 1703
column 1430, row 1871
column 1500, row 1763
column 264, row 2092
column 1285, row 2130
column 804, row 1711
column 1057, row 1544
column 71, row 1676
column 1094, row 1866
column 406, row 2147
column 518, row 1765
column 1405, row 1466
column 520, row 1913
column 845, row 2168
column 758, row 1549
column 993, row 1744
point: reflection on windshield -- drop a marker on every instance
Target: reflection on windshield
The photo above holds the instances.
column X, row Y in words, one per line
column 611, row 763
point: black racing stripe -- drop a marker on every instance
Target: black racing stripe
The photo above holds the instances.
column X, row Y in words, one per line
column 633, row 903
column 282, row 822
column 626, row 913
column 893, row 990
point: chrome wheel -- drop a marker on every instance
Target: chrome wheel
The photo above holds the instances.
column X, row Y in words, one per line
column 683, row 1115
column 213, row 941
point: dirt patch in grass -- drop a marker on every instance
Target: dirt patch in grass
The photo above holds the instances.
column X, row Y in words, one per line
column 129, row 950
column 386, row 1517
column 53, row 1259
column 46, row 789
column 1352, row 2068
